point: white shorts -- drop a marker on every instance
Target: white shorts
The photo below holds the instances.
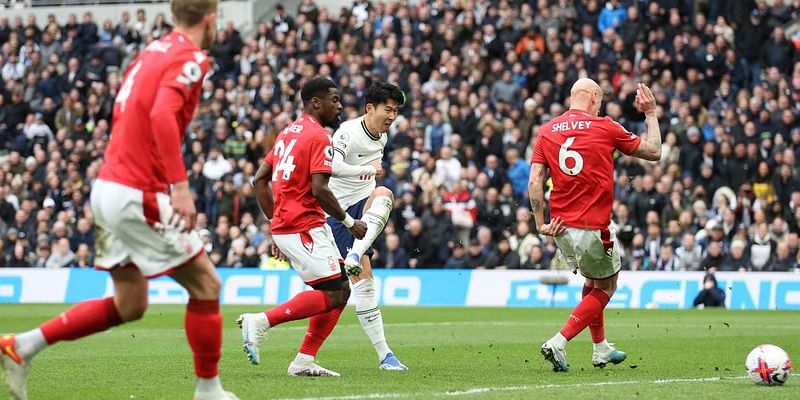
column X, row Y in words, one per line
column 124, row 219
column 313, row 254
column 595, row 252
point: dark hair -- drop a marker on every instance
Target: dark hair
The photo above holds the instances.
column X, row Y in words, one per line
column 380, row 93
column 316, row 87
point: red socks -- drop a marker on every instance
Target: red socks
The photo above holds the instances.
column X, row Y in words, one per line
column 596, row 326
column 589, row 308
column 204, row 333
column 82, row 319
column 303, row 305
column 319, row 327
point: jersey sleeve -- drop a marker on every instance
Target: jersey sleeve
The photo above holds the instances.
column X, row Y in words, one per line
column 624, row 141
column 185, row 72
column 321, row 154
column 538, row 152
column 340, row 141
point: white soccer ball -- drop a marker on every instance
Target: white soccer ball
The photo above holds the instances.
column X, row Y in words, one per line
column 768, row 365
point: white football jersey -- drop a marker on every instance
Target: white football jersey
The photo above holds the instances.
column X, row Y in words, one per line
column 358, row 147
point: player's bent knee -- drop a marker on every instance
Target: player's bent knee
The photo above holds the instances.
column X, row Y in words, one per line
column 365, row 288
column 383, row 191
column 131, row 309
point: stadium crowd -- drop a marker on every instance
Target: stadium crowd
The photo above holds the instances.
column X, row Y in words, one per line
column 480, row 76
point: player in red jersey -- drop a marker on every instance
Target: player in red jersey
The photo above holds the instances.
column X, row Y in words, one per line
column 298, row 169
column 143, row 232
column 578, row 148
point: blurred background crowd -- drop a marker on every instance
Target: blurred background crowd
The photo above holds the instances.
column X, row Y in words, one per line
column 481, row 77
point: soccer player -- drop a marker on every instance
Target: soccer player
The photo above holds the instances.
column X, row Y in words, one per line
column 358, row 148
column 578, row 148
column 142, row 231
column 298, row 168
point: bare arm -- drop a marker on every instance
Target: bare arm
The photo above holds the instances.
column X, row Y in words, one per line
column 536, row 195
column 263, row 190
column 650, row 145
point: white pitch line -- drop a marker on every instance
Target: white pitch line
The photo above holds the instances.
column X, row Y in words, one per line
column 704, row 325
column 479, row 390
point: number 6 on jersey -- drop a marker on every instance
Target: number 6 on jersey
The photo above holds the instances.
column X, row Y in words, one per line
column 565, row 154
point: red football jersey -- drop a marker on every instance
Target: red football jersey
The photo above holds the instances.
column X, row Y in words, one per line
column 302, row 149
column 579, row 148
column 136, row 155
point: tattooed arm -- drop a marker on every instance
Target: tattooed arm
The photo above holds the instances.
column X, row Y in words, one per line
column 536, row 195
column 650, row 145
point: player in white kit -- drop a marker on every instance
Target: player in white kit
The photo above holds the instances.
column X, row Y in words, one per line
column 358, row 149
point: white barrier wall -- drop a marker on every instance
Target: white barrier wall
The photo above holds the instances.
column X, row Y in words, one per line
column 407, row 287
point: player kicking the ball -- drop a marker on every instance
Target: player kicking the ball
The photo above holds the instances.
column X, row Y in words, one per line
column 358, row 148
column 143, row 232
column 578, row 148
column 298, row 169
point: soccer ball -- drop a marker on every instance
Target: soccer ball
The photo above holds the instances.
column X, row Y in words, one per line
column 768, row 365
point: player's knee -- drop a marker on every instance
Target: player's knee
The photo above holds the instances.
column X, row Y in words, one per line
column 336, row 298
column 132, row 309
column 383, row 191
column 213, row 285
column 364, row 288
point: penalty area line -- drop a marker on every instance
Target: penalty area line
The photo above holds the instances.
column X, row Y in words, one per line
column 479, row 390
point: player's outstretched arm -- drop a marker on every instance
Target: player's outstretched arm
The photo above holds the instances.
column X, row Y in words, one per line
column 263, row 190
column 326, row 199
column 650, row 145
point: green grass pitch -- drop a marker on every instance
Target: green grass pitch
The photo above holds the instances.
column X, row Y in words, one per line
column 480, row 353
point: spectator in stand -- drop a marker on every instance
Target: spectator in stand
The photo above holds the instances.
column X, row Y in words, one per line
column 711, row 295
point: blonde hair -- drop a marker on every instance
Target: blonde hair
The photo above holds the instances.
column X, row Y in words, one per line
column 191, row 12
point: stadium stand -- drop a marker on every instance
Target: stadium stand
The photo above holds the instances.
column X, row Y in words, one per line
column 481, row 76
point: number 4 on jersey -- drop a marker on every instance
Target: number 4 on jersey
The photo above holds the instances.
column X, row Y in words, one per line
column 283, row 153
column 565, row 154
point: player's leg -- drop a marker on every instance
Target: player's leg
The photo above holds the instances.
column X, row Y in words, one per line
column 603, row 352
column 376, row 215
column 320, row 327
column 314, row 256
column 203, row 324
column 370, row 316
column 83, row 319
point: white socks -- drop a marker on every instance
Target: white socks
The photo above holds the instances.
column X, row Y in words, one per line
column 208, row 388
column 369, row 315
column 303, row 359
column 559, row 340
column 30, row 343
column 375, row 217
column 601, row 347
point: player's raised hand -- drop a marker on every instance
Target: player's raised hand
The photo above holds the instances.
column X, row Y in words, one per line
column 359, row 229
column 554, row 228
column 644, row 101
column 183, row 205
column 379, row 171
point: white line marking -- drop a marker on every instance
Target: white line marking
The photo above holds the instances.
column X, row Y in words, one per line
column 703, row 325
column 478, row 390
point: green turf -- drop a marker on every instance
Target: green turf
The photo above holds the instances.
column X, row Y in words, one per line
column 481, row 353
